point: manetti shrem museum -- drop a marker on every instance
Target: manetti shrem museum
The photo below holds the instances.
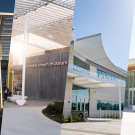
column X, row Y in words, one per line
column 93, row 81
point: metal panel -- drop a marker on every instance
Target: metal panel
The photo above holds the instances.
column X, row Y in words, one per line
column 92, row 48
column 47, row 82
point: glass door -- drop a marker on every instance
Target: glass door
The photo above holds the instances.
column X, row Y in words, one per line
column 131, row 97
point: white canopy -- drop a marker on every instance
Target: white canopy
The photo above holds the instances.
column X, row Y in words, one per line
column 92, row 48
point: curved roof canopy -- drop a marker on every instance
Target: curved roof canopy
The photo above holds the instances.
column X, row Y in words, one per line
column 92, row 48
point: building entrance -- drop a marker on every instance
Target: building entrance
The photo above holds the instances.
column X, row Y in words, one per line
column 131, row 97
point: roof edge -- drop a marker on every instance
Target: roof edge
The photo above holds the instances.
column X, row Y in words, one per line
column 88, row 37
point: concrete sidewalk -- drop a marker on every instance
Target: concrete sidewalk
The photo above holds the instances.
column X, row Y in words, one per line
column 128, row 122
column 28, row 119
column 94, row 126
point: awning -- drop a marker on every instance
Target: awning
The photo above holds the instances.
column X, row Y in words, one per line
column 90, row 80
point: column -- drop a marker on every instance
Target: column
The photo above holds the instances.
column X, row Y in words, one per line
column 24, row 56
column 12, row 81
column 22, row 101
column 119, row 102
column 27, row 44
column 77, row 103
column 84, row 104
column 1, row 87
column 80, row 104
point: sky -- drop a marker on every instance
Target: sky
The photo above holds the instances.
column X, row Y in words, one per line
column 113, row 19
column 7, row 6
column 132, row 44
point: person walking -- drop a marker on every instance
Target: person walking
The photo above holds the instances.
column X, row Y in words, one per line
column 6, row 93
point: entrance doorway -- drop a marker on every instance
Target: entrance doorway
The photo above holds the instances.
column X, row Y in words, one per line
column 131, row 97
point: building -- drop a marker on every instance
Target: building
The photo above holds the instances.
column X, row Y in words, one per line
column 93, row 81
column 6, row 20
column 40, row 40
column 130, row 85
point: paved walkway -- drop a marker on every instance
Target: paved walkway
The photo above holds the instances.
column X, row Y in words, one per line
column 128, row 122
column 94, row 126
column 28, row 119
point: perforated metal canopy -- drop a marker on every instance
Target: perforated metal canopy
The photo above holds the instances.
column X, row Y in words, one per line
column 49, row 24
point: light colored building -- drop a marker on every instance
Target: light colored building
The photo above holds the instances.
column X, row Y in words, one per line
column 130, row 85
column 93, row 81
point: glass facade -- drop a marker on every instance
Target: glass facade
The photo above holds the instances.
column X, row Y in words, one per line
column 80, row 94
column 81, row 64
column 108, row 105
column 130, row 83
column 4, row 70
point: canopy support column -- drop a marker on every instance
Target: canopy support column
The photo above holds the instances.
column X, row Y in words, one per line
column 22, row 102
column 119, row 102
column 12, row 81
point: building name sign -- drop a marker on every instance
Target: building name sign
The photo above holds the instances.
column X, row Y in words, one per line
column 46, row 64
column 82, row 70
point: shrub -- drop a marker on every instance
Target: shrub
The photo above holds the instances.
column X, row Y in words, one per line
column 63, row 119
column 104, row 115
column 78, row 118
column 56, row 108
column 70, row 119
column 107, row 115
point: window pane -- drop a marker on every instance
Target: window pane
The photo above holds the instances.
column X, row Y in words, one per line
column 104, row 105
column 117, row 106
column 131, row 79
column 113, row 106
column 109, row 105
column 98, row 104
column 73, row 102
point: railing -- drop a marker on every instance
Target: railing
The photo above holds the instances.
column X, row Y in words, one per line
column 82, row 70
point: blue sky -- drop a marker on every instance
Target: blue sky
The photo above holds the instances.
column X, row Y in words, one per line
column 113, row 19
column 7, row 6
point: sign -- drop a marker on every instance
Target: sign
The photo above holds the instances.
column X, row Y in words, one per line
column 82, row 70
column 45, row 64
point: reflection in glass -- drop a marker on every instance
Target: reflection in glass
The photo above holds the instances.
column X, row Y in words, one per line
column 109, row 105
column 130, row 98
column 74, row 102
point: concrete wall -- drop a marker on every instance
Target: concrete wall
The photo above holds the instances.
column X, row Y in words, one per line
column 106, row 96
column 93, row 69
column 68, row 98
column 47, row 82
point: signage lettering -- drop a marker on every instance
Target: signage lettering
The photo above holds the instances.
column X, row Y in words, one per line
column 46, row 64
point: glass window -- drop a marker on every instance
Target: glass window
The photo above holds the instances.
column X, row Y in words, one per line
column 127, row 82
column 74, row 102
column 81, row 64
column 117, row 106
column 131, row 79
column 104, row 105
column 109, row 105
column 126, row 94
column 134, row 79
column 122, row 106
column 98, row 104
column 113, row 106
column 87, row 104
